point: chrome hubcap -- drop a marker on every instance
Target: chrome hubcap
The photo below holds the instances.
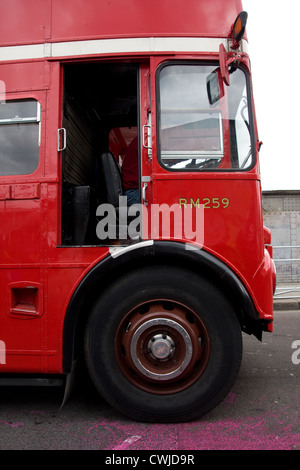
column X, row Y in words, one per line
column 162, row 347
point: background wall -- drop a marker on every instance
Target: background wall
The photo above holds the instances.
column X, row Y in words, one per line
column 281, row 211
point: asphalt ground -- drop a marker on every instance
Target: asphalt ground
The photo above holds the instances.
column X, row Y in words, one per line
column 262, row 411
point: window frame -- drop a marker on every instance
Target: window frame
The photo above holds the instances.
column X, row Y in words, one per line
column 250, row 115
column 24, row 120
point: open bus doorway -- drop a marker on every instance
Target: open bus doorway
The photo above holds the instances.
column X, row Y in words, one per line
column 100, row 120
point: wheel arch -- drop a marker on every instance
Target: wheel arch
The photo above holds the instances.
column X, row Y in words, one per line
column 125, row 259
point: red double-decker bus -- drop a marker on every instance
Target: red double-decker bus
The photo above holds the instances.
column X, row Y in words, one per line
column 132, row 237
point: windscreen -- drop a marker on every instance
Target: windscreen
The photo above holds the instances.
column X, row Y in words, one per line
column 201, row 126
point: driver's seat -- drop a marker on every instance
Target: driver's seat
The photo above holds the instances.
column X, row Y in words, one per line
column 112, row 178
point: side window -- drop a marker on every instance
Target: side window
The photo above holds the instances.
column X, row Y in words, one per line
column 19, row 137
column 197, row 132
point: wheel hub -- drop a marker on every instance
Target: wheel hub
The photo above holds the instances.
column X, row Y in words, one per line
column 161, row 347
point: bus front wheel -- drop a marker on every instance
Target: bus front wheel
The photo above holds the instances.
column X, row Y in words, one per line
column 163, row 345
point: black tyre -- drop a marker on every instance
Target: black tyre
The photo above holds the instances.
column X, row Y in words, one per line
column 163, row 345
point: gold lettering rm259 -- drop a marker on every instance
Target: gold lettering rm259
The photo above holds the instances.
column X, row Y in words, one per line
column 207, row 202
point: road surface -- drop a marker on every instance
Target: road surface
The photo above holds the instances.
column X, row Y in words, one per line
column 262, row 412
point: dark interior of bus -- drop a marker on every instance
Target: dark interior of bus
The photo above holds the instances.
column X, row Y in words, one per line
column 100, row 118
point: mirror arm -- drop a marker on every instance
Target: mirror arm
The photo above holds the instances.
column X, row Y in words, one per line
column 227, row 58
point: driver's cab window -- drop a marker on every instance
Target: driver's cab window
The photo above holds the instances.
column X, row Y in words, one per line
column 197, row 132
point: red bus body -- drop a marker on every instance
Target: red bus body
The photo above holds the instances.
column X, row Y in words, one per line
column 52, row 51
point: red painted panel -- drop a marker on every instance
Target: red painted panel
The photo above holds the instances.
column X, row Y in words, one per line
column 23, row 76
column 20, row 221
column 116, row 18
column 22, row 22
column 21, row 332
column 33, row 21
column 233, row 229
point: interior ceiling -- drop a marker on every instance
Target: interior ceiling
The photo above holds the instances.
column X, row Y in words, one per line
column 109, row 89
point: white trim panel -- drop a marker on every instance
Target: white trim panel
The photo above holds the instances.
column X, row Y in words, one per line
column 112, row 46
column 116, row 251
